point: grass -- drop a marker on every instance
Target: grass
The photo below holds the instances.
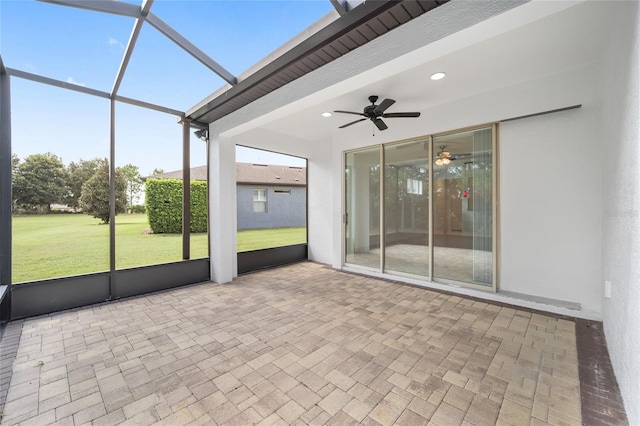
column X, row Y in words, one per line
column 48, row 246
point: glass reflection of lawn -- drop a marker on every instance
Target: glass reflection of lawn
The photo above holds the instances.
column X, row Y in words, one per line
column 58, row 245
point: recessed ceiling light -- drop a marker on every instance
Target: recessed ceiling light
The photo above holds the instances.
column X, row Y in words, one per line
column 326, row 114
column 438, row 76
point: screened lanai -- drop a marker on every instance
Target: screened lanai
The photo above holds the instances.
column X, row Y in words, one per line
column 487, row 185
column 102, row 70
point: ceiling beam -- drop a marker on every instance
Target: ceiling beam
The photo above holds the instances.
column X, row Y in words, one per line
column 340, row 6
column 148, row 105
column 144, row 13
column 82, row 89
column 345, row 6
column 137, row 27
column 57, row 83
column 106, row 6
column 146, row 7
column 190, row 48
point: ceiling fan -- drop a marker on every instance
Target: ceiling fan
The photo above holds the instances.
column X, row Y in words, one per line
column 376, row 113
column 444, row 158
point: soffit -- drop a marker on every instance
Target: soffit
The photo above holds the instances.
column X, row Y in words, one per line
column 575, row 37
column 358, row 27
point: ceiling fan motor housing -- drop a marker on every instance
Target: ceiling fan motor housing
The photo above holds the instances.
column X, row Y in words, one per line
column 370, row 111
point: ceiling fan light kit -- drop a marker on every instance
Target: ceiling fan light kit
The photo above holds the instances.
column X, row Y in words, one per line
column 376, row 113
column 443, row 158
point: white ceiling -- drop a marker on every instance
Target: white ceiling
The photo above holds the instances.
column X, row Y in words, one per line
column 570, row 38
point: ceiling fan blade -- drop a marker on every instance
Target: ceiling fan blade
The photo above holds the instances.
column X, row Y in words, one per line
column 353, row 122
column 401, row 114
column 380, row 124
column 351, row 112
column 384, row 105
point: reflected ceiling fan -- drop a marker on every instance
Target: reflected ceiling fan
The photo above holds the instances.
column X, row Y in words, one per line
column 444, row 157
column 376, row 113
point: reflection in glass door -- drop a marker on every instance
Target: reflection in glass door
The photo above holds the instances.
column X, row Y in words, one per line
column 436, row 220
column 406, row 208
column 462, row 207
column 362, row 207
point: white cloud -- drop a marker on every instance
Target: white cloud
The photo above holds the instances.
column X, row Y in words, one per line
column 30, row 68
column 115, row 42
column 72, row 81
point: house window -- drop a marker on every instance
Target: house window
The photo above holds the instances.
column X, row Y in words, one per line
column 414, row 186
column 260, row 200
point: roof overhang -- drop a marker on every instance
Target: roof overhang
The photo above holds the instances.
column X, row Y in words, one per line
column 486, row 47
column 359, row 26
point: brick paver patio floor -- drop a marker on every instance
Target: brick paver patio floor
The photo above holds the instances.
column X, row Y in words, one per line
column 302, row 344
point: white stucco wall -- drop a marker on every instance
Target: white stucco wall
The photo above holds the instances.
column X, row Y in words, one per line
column 549, row 171
column 551, row 207
column 320, row 202
column 571, row 270
column 621, row 205
column 383, row 57
column 320, row 205
column 222, row 201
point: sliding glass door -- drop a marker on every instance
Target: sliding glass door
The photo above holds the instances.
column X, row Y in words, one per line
column 362, row 208
column 462, row 207
column 436, row 220
column 406, row 208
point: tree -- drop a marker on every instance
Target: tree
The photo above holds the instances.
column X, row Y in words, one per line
column 157, row 171
column 95, row 193
column 134, row 183
column 15, row 161
column 79, row 173
column 40, row 180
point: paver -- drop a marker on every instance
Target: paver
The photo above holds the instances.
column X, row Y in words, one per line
column 302, row 344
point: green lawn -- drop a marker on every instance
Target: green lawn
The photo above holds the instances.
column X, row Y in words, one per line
column 254, row 239
column 48, row 246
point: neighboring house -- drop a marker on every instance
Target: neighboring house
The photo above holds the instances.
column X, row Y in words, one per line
column 268, row 196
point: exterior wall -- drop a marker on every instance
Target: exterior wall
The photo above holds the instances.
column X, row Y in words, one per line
column 321, row 207
column 550, row 196
column 550, row 199
column 550, row 218
column 544, row 253
column 222, row 200
column 569, row 181
column 283, row 210
column 621, row 205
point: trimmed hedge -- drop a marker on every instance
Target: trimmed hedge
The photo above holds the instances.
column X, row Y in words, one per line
column 199, row 206
column 163, row 200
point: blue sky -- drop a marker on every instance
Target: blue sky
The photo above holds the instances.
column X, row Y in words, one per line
column 86, row 48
